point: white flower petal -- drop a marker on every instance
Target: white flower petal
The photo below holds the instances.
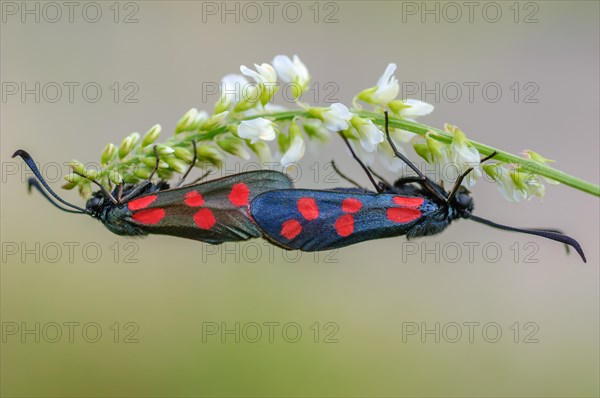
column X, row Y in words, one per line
column 232, row 88
column 294, row 152
column 387, row 86
column 336, row 118
column 417, row 108
column 370, row 136
column 257, row 129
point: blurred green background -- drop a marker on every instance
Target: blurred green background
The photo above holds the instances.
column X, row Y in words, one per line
column 157, row 301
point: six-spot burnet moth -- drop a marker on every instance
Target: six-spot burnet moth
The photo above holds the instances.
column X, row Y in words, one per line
column 312, row 220
column 214, row 212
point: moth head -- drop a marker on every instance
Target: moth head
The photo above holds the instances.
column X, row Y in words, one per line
column 463, row 202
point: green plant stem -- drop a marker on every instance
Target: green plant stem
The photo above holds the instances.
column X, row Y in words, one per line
column 442, row 136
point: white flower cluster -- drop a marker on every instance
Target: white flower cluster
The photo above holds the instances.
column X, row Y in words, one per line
column 245, row 117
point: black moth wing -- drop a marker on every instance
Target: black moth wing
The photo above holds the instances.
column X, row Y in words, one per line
column 215, row 211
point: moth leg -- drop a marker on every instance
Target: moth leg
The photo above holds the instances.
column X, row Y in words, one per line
column 144, row 184
column 202, row 177
column 460, row 179
column 156, row 165
column 365, row 168
column 382, row 181
column 120, row 192
column 338, row 171
column 102, row 188
column 183, row 177
column 423, row 180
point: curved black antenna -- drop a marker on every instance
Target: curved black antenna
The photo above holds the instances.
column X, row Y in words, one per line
column 543, row 233
column 33, row 183
column 29, row 161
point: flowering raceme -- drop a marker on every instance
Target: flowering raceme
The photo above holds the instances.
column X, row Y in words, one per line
column 246, row 120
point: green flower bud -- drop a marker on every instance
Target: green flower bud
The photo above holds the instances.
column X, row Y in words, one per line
column 151, row 162
column 209, row 154
column 135, row 138
column 142, row 171
column 536, row 157
column 164, row 150
column 115, row 177
column 458, row 137
column 397, row 105
column 283, row 141
column 85, row 190
column 108, row 154
column 92, row 174
column 366, row 94
column 187, row 121
column 131, row 178
column 436, row 148
column 267, row 92
column 72, row 180
column 215, row 121
column 518, row 178
column 234, row 146
column 151, row 135
column 491, row 170
column 315, row 130
column 221, row 106
column 177, row 165
column 262, row 151
column 316, row 112
column 422, row 149
column 251, row 96
column 184, row 154
column 165, row 174
column 78, row 167
column 294, row 130
column 126, row 146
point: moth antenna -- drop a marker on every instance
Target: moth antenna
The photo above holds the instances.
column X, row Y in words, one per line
column 345, row 177
column 364, row 167
column 543, row 233
column 33, row 183
column 29, row 161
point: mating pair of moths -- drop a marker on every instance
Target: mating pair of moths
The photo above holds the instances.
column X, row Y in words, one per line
column 265, row 204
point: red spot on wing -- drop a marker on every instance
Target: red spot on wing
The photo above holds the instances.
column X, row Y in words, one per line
column 148, row 216
column 402, row 215
column 239, row 194
column 344, row 225
column 290, row 229
column 194, row 199
column 410, row 202
column 205, row 219
column 308, row 208
column 141, row 203
column 351, row 205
